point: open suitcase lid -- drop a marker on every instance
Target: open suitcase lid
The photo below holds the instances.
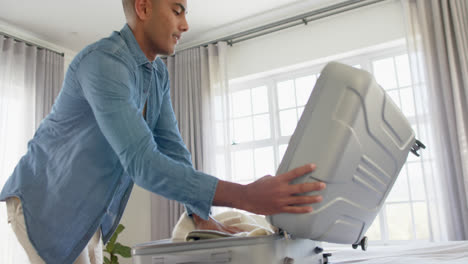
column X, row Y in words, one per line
column 359, row 140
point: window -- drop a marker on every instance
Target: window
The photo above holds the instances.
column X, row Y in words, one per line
column 404, row 215
column 265, row 112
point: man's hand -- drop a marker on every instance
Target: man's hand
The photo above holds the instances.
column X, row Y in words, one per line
column 271, row 195
column 212, row 224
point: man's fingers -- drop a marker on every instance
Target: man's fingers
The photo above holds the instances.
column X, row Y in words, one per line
column 307, row 187
column 298, row 172
column 298, row 200
column 297, row 209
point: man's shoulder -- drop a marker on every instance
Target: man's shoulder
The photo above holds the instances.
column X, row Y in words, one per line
column 112, row 46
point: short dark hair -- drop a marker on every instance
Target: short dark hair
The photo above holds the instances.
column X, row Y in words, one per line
column 129, row 8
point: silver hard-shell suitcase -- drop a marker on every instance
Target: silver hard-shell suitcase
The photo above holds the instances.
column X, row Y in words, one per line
column 273, row 249
column 359, row 140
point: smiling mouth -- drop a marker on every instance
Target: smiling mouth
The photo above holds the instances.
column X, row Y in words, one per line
column 176, row 37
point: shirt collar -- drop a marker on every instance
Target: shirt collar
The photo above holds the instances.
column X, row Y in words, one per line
column 134, row 47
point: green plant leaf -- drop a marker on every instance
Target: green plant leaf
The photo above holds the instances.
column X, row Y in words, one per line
column 114, row 260
column 109, row 247
column 111, row 243
column 122, row 250
column 106, row 260
column 119, row 229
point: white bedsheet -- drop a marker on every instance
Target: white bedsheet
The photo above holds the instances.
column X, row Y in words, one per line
column 427, row 253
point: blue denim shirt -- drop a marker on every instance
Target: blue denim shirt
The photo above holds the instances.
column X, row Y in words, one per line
column 80, row 166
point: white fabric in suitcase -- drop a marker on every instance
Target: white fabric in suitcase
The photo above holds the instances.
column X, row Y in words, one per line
column 359, row 140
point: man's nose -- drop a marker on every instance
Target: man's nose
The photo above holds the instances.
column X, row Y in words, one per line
column 184, row 27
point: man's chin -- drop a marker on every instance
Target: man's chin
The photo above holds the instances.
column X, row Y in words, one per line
column 169, row 52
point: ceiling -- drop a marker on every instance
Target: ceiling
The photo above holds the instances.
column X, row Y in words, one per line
column 74, row 24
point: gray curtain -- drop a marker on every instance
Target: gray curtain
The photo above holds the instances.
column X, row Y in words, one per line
column 30, row 79
column 49, row 79
column 438, row 42
column 192, row 73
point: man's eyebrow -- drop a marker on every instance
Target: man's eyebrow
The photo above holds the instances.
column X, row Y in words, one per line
column 181, row 6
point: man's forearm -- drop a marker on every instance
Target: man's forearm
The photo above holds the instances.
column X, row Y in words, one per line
column 271, row 194
column 230, row 194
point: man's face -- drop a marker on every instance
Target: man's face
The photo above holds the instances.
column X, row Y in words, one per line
column 166, row 25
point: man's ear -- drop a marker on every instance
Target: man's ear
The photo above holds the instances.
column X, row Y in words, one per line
column 143, row 9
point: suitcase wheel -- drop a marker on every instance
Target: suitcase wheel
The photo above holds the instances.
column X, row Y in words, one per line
column 363, row 243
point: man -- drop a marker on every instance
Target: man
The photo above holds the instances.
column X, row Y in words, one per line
column 111, row 126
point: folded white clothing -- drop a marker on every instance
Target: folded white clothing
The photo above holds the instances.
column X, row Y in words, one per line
column 251, row 225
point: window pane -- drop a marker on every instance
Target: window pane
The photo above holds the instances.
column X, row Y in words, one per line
column 421, row 220
column 403, row 70
column 304, row 88
column 422, row 131
column 384, row 73
column 262, row 127
column 399, row 221
column 288, row 122
column 415, row 129
column 407, row 102
column 300, row 110
column 220, row 167
column 220, row 133
column 423, row 134
column 218, row 108
column 395, row 96
column 241, row 103
column 399, row 191
column 264, row 162
column 243, row 130
column 260, row 100
column 373, row 233
column 281, row 151
column 231, row 132
column 416, row 180
column 286, row 94
column 242, row 167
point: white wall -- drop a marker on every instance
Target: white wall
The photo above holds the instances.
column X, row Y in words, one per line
column 369, row 26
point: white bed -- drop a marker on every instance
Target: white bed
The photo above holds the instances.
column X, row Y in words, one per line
column 424, row 253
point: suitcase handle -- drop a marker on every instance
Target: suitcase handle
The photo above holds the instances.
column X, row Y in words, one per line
column 417, row 146
column 210, row 257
